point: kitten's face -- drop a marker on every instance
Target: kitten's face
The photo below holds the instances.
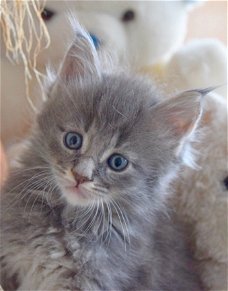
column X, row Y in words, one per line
column 99, row 143
column 105, row 138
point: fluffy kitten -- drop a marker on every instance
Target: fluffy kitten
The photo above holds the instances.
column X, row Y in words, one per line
column 85, row 211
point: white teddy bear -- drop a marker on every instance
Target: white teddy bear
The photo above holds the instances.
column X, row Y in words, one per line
column 140, row 33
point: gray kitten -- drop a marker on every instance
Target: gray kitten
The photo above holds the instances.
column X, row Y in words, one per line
column 86, row 209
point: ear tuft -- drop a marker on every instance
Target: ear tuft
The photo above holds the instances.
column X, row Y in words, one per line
column 82, row 58
column 79, row 31
column 49, row 81
column 205, row 91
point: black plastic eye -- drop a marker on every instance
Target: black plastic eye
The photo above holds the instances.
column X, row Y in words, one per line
column 73, row 140
column 117, row 162
column 47, row 14
column 129, row 15
column 225, row 182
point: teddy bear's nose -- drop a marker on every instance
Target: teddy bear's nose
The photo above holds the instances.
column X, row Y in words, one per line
column 95, row 40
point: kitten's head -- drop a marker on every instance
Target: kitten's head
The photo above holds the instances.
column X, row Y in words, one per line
column 106, row 137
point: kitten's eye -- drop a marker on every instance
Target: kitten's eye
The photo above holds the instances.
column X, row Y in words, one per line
column 129, row 15
column 73, row 140
column 47, row 14
column 117, row 162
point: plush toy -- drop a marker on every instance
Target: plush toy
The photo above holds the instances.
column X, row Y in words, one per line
column 197, row 64
column 135, row 31
column 201, row 197
column 143, row 39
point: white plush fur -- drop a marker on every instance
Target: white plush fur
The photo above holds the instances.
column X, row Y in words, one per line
column 199, row 64
column 202, row 199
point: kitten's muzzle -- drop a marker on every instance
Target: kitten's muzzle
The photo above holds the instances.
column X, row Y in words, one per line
column 80, row 179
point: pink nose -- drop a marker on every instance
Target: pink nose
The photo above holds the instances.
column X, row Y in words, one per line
column 79, row 178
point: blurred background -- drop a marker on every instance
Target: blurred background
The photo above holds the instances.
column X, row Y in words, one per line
column 209, row 20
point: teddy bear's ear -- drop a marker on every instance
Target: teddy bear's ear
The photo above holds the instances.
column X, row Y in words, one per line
column 81, row 59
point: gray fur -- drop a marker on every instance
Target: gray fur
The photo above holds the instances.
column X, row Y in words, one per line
column 122, row 237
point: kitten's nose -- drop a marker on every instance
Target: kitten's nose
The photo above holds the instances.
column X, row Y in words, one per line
column 79, row 178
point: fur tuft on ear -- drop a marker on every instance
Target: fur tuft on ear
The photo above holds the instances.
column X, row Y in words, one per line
column 49, row 81
column 82, row 59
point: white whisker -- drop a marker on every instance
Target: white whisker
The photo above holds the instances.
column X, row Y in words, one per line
column 120, row 220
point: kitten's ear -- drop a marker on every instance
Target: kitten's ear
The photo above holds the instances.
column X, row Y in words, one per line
column 182, row 113
column 181, row 116
column 81, row 59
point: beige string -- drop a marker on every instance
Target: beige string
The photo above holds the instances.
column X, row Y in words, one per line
column 24, row 45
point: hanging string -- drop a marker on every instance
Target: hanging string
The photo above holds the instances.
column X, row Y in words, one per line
column 25, row 35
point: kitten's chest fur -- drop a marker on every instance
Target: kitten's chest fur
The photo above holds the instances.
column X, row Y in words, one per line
column 50, row 250
column 109, row 253
column 52, row 253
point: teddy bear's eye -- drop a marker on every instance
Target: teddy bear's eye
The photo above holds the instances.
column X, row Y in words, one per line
column 47, row 14
column 129, row 15
column 225, row 182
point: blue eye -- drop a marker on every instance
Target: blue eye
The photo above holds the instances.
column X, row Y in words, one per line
column 73, row 140
column 117, row 162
